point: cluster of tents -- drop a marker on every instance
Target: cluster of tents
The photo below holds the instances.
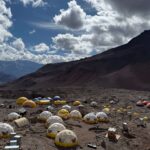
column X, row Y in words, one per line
column 56, row 126
column 25, row 102
column 54, row 122
column 54, row 119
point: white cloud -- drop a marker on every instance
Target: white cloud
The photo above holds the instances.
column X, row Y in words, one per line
column 100, row 5
column 73, row 44
column 95, row 35
column 41, row 48
column 8, row 52
column 34, row 3
column 18, row 44
column 12, row 48
column 72, row 18
column 48, row 25
column 5, row 21
column 91, row 33
column 32, row 31
column 106, row 29
column 131, row 7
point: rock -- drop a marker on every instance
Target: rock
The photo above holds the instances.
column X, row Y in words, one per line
column 92, row 146
column 103, row 144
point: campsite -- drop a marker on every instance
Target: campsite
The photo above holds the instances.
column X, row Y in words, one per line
column 89, row 121
column 74, row 74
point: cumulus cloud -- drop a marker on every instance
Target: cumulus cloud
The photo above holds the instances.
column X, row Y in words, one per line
column 109, row 27
column 100, row 5
column 8, row 52
column 18, row 44
column 117, row 23
column 73, row 44
column 41, row 48
column 131, row 7
column 125, row 7
column 12, row 48
column 96, row 36
column 5, row 21
column 84, row 35
column 34, row 3
column 73, row 17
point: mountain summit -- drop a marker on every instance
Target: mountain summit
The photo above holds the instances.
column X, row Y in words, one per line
column 127, row 66
column 142, row 39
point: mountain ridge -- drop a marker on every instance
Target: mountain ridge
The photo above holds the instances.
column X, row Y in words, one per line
column 119, row 67
column 11, row 70
column 18, row 68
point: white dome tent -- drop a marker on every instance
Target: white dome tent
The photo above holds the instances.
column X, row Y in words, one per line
column 50, row 108
column 90, row 118
column 44, row 115
column 13, row 116
column 54, row 129
column 93, row 104
column 67, row 107
column 5, row 130
column 54, row 119
column 66, row 139
column 56, row 97
column 102, row 117
column 75, row 114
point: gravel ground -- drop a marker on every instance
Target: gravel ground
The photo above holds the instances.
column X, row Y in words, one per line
column 34, row 137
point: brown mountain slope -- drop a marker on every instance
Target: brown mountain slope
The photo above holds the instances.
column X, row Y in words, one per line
column 126, row 66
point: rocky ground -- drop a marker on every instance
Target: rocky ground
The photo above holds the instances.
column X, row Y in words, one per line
column 34, row 137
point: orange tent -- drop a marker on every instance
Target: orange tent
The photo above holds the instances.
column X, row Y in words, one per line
column 29, row 103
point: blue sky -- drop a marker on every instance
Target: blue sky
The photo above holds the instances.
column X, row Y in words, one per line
column 26, row 17
column 50, row 31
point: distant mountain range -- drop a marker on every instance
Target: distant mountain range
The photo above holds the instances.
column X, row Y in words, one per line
column 4, row 78
column 127, row 66
column 11, row 70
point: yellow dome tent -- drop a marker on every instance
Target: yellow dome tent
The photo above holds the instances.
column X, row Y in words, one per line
column 21, row 100
column 76, row 103
column 60, row 102
column 106, row 110
column 63, row 113
column 29, row 103
column 145, row 118
column 43, row 102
